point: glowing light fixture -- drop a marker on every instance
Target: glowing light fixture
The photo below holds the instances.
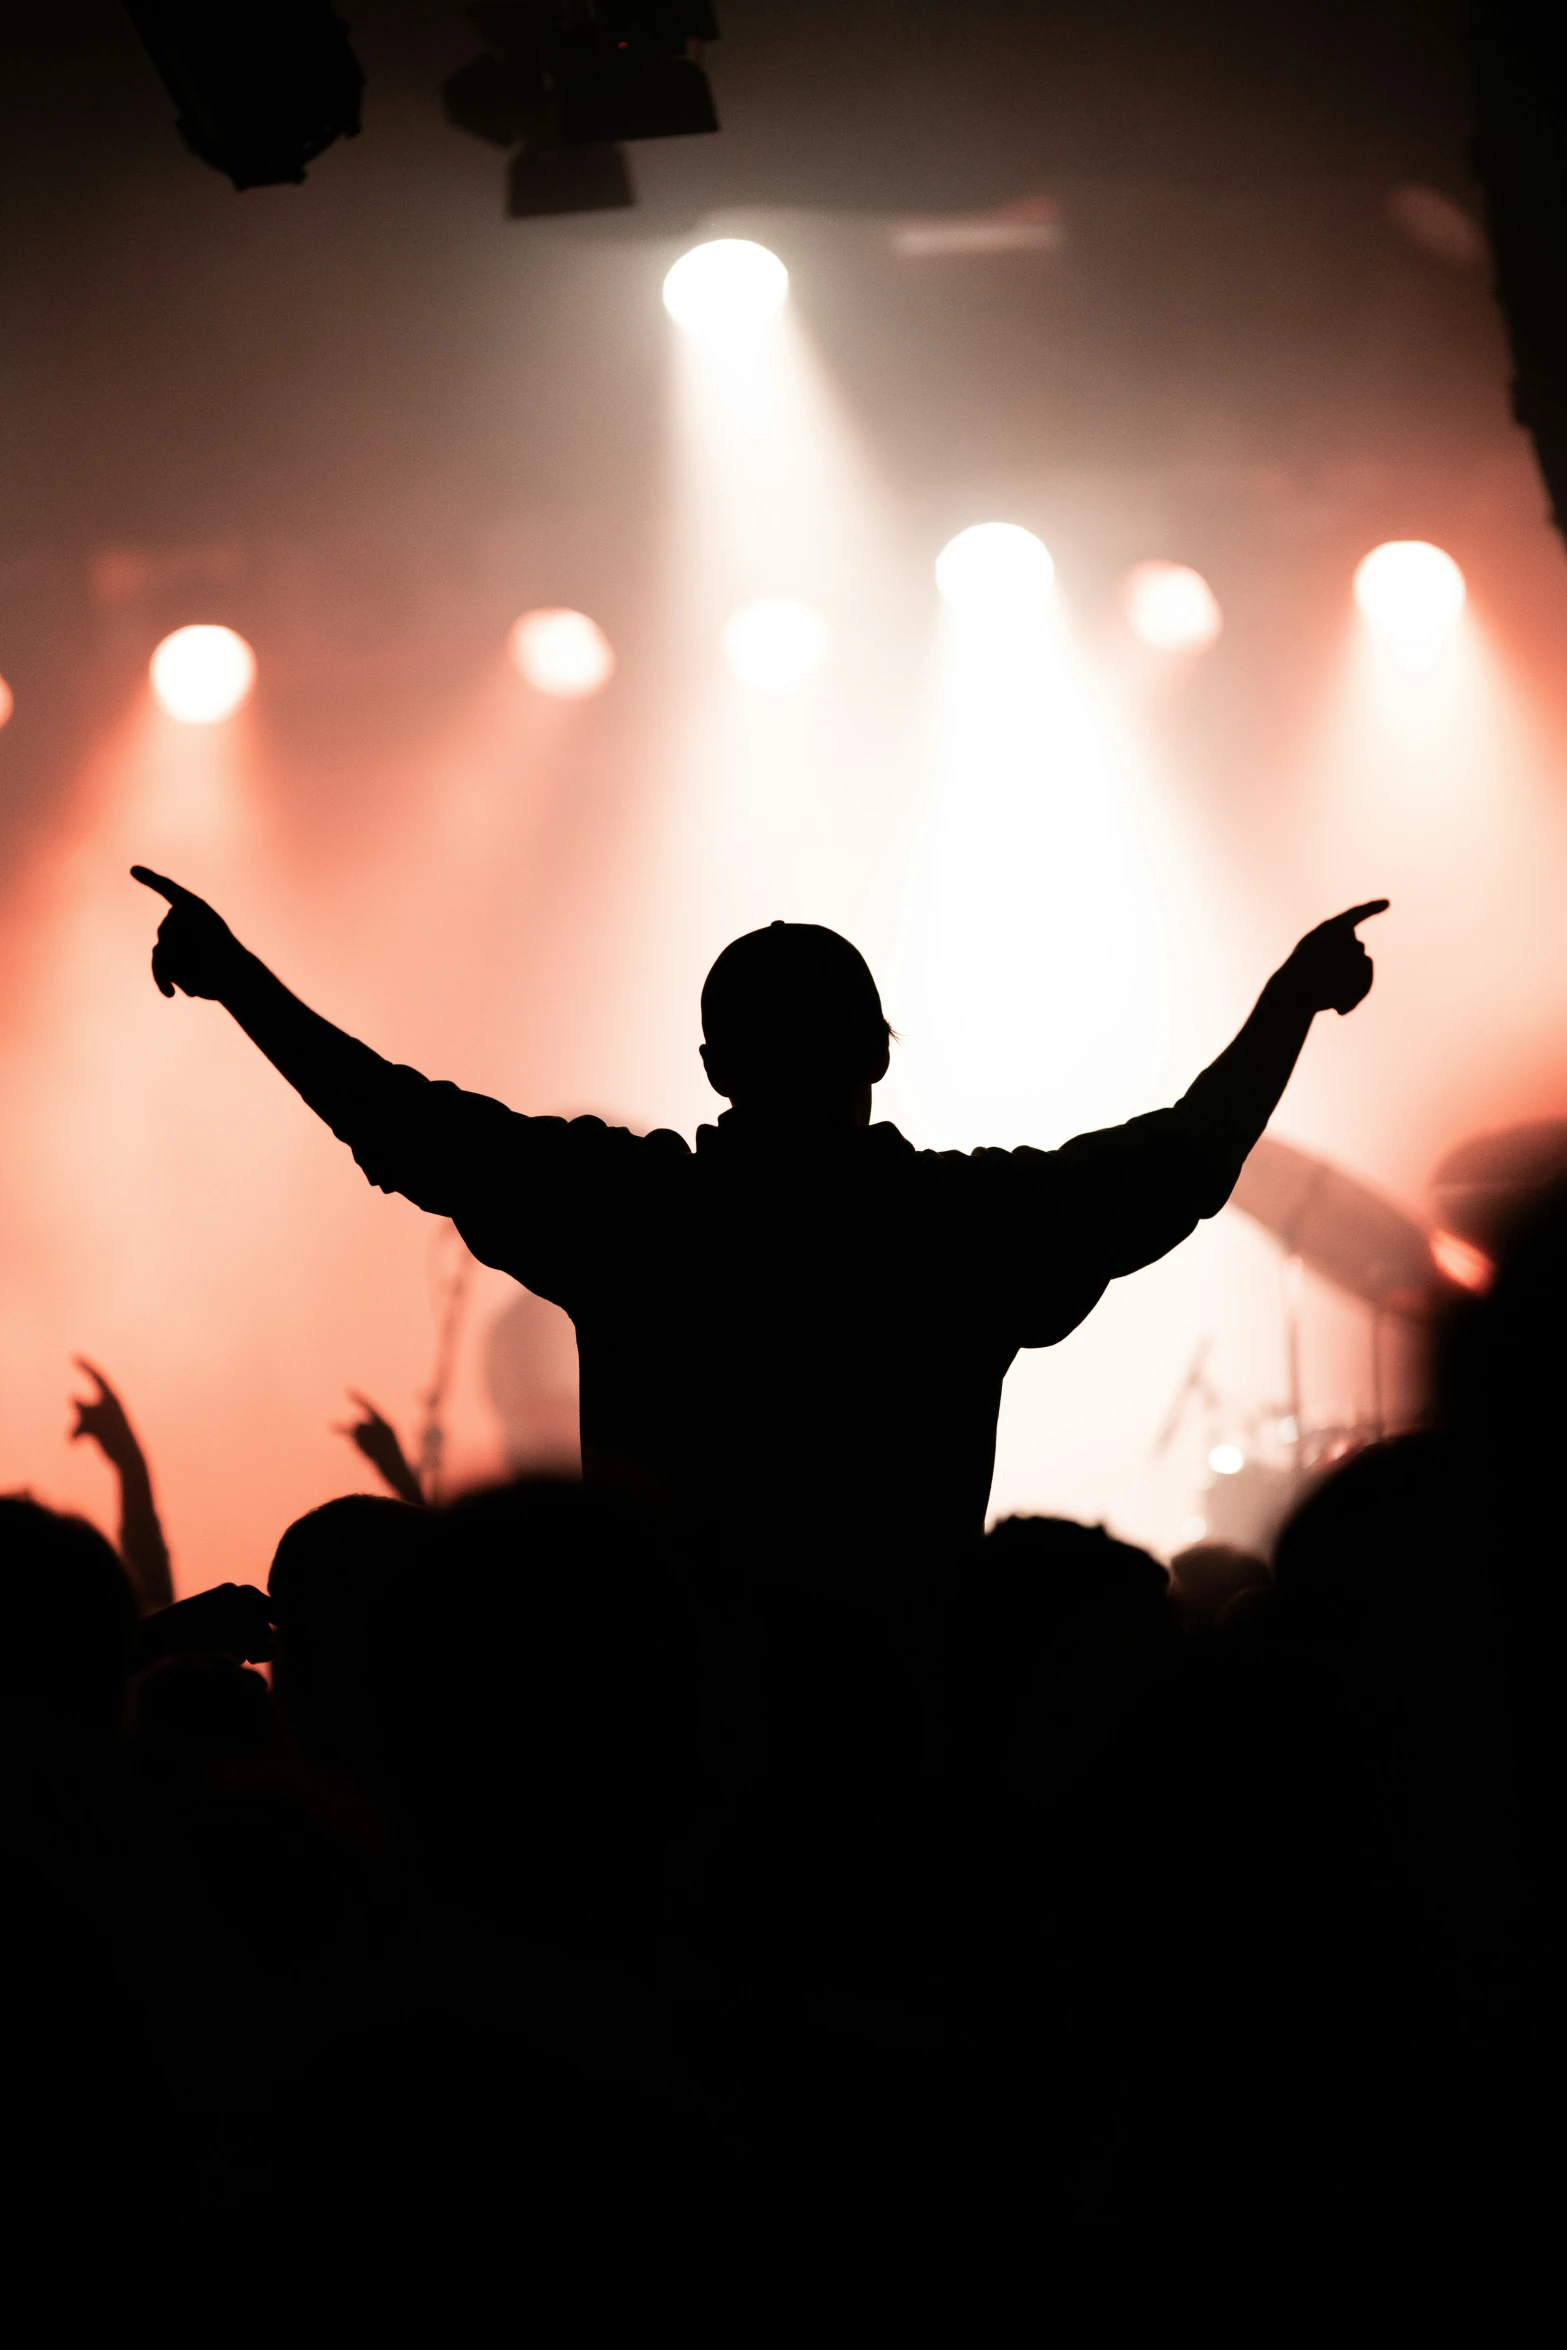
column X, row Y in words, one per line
column 725, row 290
column 1171, row 607
column 7, row 701
column 1462, row 1262
column 775, row 645
column 994, row 567
column 1409, row 591
column 562, row 653
column 1226, row 1460
column 202, row 675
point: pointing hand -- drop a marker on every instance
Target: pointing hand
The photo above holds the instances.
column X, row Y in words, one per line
column 1330, row 966
column 196, row 951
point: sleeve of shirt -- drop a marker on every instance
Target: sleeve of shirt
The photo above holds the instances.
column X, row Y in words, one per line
column 525, row 1193
column 1073, row 1220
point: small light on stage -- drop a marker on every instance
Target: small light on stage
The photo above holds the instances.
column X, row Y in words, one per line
column 203, row 674
column 1226, row 1460
column 775, row 645
column 994, row 567
column 7, row 701
column 562, row 653
column 1410, row 591
column 725, row 290
column 1171, row 607
column 1462, row 1262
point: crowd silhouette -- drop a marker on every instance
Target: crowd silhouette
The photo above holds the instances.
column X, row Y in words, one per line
column 738, row 1867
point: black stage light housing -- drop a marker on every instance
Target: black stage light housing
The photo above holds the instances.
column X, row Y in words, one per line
column 261, row 87
column 573, row 179
column 566, row 81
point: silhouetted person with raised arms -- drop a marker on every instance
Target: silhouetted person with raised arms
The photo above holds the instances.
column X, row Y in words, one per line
column 797, row 1333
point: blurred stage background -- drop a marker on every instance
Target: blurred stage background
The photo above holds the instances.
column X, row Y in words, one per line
column 368, row 422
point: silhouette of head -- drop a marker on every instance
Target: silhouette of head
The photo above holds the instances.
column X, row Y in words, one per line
column 791, row 1019
column 67, row 1613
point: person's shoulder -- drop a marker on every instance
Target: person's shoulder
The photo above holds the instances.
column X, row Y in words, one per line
column 594, row 1139
column 989, row 1163
column 659, row 1141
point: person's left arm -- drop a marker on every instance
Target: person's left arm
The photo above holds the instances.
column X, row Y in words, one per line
column 142, row 1547
column 1223, row 1115
column 1129, row 1194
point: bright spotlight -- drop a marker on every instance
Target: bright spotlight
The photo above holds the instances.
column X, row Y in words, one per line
column 562, row 653
column 725, row 290
column 7, row 701
column 994, row 567
column 203, row 674
column 1462, row 1262
column 1171, row 607
column 1410, row 591
column 775, row 645
column 1226, row 1460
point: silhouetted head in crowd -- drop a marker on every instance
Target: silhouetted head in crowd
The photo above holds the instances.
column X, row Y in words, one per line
column 1207, row 1576
column 560, row 1713
column 793, row 1027
column 1367, row 1550
column 1057, row 1630
column 346, row 1578
column 67, row 1614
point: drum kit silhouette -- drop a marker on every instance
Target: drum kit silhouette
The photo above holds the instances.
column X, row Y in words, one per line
column 1405, row 1272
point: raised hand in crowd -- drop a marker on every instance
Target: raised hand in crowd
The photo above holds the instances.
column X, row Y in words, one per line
column 377, row 1439
column 103, row 1418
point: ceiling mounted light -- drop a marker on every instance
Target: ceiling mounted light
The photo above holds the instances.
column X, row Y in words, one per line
column 994, row 567
column 202, row 674
column 725, row 290
column 562, row 653
column 1171, row 607
column 1410, row 592
column 775, row 645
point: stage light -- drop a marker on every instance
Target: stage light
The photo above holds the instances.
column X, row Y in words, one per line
column 994, row 567
column 562, row 653
column 775, row 645
column 1462, row 1262
column 1171, row 607
column 259, row 92
column 1226, row 1460
column 725, row 290
column 203, row 674
column 7, row 701
column 1409, row 591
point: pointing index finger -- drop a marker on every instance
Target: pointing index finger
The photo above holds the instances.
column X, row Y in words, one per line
column 1353, row 916
column 174, row 891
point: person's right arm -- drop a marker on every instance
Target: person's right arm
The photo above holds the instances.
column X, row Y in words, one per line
column 430, row 1141
column 197, row 954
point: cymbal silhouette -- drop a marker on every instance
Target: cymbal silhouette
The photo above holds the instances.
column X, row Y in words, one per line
column 1486, row 1184
column 1339, row 1227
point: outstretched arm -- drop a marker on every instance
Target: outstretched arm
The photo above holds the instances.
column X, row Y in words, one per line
column 1225, row 1112
column 142, row 1547
column 198, row 954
